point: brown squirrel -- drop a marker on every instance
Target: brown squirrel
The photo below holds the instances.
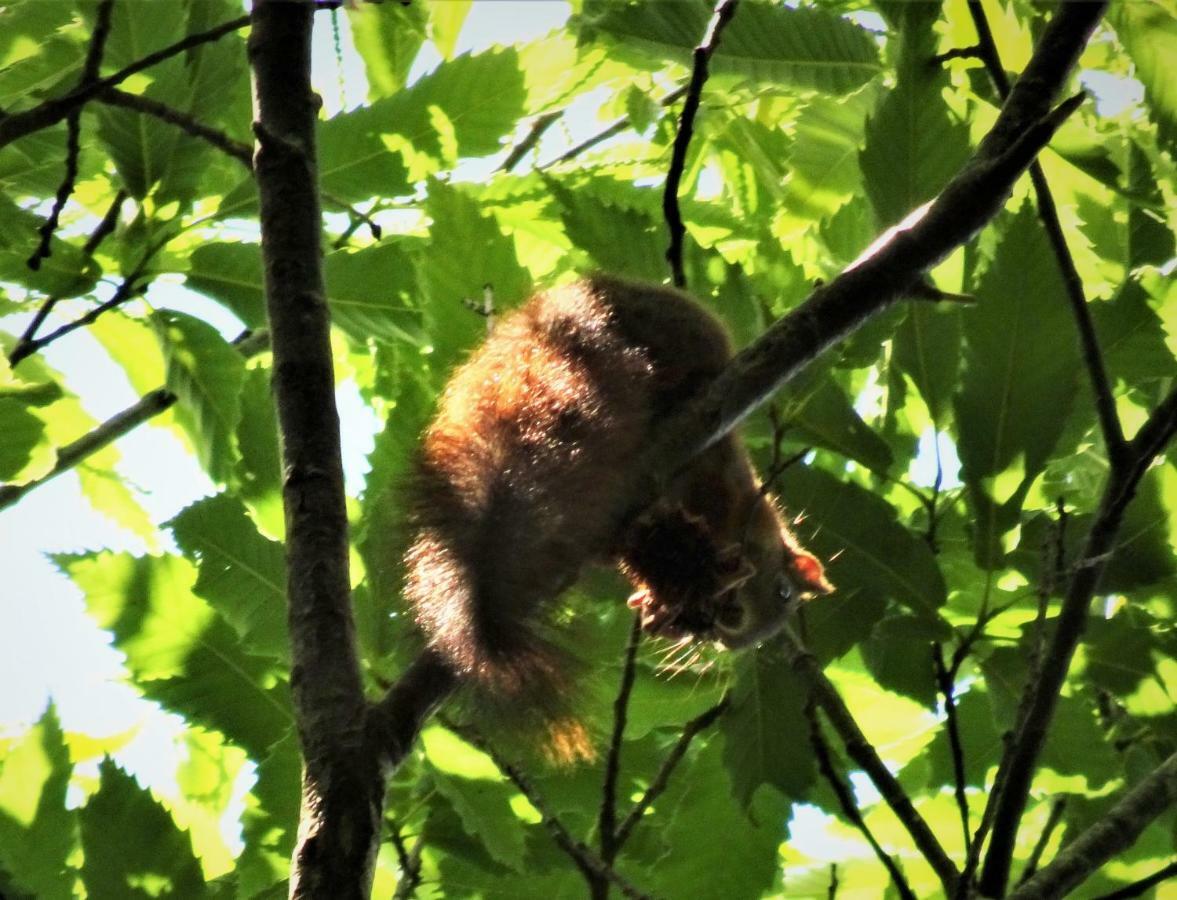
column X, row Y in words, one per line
column 528, row 462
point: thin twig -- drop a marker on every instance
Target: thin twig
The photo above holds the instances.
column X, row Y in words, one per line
column 409, row 860
column 52, row 111
column 109, row 431
column 73, row 136
column 1052, row 822
column 832, row 890
column 591, row 865
column 127, row 289
column 825, row 765
column 946, row 682
column 1105, row 403
column 614, row 128
column 108, row 224
column 607, row 820
column 1138, row 888
column 538, row 128
column 662, row 779
column 187, row 123
column 724, row 11
column 973, row 52
column 823, row 693
column 356, row 214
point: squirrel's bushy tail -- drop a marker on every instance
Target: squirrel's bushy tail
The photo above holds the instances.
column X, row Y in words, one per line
column 496, row 646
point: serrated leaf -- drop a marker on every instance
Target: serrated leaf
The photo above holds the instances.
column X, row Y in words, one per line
column 447, row 278
column 1150, row 241
column 618, row 238
column 822, row 414
column 765, row 729
column 37, row 832
column 242, row 574
column 65, row 273
column 823, row 168
column 133, row 848
column 270, row 821
column 765, row 44
column 232, row 275
column 867, row 551
column 205, row 373
column 913, row 144
column 1020, row 359
column 898, row 653
column 484, row 807
column 1132, row 338
column 178, row 649
column 480, row 96
column 259, row 474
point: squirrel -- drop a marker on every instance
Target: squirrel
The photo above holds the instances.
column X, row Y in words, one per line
column 526, row 465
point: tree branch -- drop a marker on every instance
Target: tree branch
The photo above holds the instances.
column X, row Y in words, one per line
column 73, row 134
column 607, row 819
column 111, row 430
column 825, row 765
column 1052, row 822
column 1105, row 403
column 52, row 111
column 616, row 127
column 590, row 865
column 1137, row 888
column 823, row 694
column 724, row 10
column 701, row 722
column 343, row 783
column 182, row 120
column 1016, row 772
column 1116, row 831
column 945, row 681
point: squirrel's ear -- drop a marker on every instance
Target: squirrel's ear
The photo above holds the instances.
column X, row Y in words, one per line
column 810, row 577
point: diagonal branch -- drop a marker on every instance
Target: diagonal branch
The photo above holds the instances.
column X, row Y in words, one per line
column 108, row 432
column 614, row 128
column 1116, row 831
column 190, row 125
column 1105, row 404
column 824, row 695
column 700, row 723
column 724, row 11
column 52, row 111
column 945, row 680
column 591, row 866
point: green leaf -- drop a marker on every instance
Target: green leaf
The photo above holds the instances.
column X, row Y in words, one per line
column 205, row 373
column 388, row 37
column 37, row 832
column 913, row 144
column 927, row 349
column 386, row 313
column 180, row 652
column 1148, row 30
column 867, row 552
column 1132, row 338
column 1150, row 241
column 259, row 474
column 618, row 238
column 133, row 848
column 765, row 44
column 232, row 275
column 898, row 653
column 242, row 574
column 269, row 822
column 38, row 51
column 445, row 24
column 1020, row 360
column 819, row 410
column 765, row 729
column 65, row 273
column 20, row 434
column 478, row 98
column 447, row 278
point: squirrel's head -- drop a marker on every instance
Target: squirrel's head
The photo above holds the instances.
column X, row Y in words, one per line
column 768, row 574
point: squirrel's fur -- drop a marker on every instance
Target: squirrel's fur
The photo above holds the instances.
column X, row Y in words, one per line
column 529, row 461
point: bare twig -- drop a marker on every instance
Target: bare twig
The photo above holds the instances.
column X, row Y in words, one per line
column 1115, row 831
column 1105, row 403
column 724, row 11
column 607, row 819
column 615, row 127
column 824, row 695
column 590, row 865
column 1016, row 772
column 945, row 680
column 356, row 214
column 662, row 779
column 1052, row 822
column 973, row 52
column 109, row 431
column 1138, row 888
column 832, row 890
column 825, row 765
column 538, row 128
column 410, row 863
column 73, row 135
column 52, row 111
column 187, row 123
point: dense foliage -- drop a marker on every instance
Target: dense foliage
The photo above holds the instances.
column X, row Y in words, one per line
column 820, row 126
